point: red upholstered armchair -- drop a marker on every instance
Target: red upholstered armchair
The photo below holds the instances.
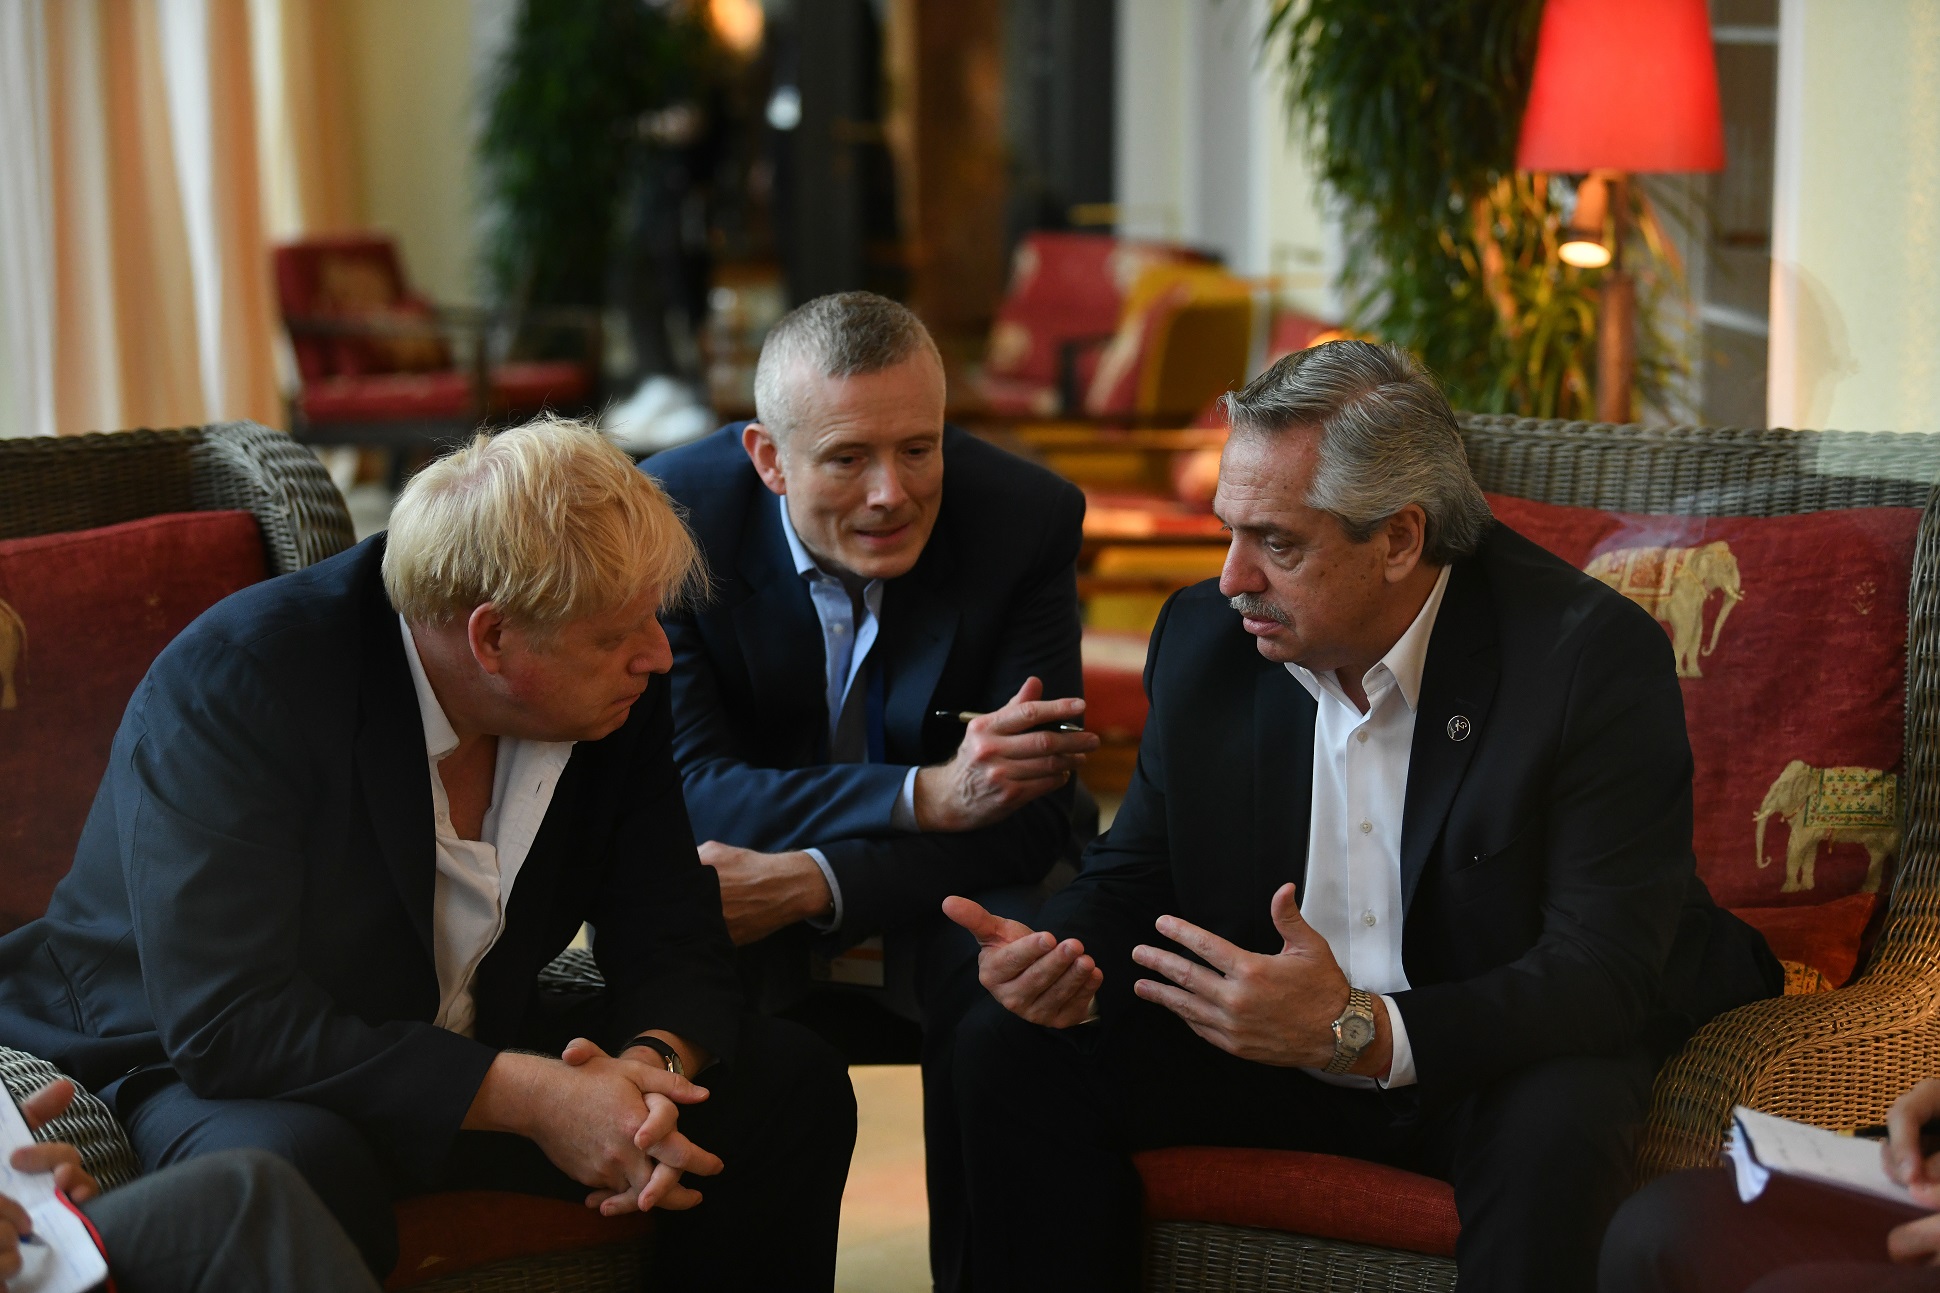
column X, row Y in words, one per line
column 109, row 546
column 378, row 364
column 1065, row 343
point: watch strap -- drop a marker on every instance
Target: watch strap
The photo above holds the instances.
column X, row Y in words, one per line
column 1359, row 1003
column 668, row 1054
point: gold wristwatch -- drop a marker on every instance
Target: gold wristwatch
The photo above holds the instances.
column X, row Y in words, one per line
column 1353, row 1031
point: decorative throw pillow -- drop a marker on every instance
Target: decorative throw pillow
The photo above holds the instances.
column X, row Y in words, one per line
column 82, row 615
column 1790, row 639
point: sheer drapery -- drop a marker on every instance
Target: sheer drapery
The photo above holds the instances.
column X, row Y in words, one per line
column 150, row 151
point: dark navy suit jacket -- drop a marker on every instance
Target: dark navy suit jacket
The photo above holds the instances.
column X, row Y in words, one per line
column 251, row 901
column 992, row 600
column 1551, row 896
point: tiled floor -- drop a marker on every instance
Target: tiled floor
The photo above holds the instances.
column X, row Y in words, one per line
column 885, row 1213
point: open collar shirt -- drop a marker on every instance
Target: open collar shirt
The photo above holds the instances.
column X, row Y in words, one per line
column 846, row 643
column 475, row 877
column 1352, row 896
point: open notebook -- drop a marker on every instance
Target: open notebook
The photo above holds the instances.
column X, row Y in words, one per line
column 61, row 1257
column 1762, row 1145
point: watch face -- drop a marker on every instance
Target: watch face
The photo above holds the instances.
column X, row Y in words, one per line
column 1356, row 1032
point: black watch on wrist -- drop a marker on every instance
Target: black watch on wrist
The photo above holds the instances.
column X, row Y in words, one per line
column 667, row 1053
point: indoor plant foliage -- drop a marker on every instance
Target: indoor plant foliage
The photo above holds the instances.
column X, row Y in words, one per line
column 1411, row 109
column 566, row 132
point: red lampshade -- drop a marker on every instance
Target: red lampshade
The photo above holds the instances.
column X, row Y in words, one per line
column 1623, row 85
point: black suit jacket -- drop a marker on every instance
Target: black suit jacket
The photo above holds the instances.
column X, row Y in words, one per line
column 992, row 600
column 1551, row 897
column 251, row 900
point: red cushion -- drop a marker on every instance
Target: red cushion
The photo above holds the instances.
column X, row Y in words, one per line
column 1807, row 674
column 533, row 386
column 1826, row 937
column 1309, row 1194
column 384, row 397
column 95, row 608
column 1112, row 390
column 1114, row 667
column 442, row 1234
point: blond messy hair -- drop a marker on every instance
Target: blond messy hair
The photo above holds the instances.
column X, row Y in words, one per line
column 549, row 522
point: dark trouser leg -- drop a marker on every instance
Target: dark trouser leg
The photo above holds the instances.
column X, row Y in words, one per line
column 1689, row 1233
column 1050, row 1119
column 238, row 1220
column 1540, row 1161
column 781, row 1117
column 947, row 986
column 172, row 1125
column 1053, row 1197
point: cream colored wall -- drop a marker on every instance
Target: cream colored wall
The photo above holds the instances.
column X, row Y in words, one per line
column 1856, row 231
column 411, row 86
column 1204, row 152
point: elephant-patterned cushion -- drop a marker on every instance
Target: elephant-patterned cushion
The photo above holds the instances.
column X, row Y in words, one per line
column 1789, row 634
column 82, row 614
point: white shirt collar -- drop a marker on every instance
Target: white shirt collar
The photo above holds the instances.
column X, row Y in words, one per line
column 1403, row 663
column 439, row 738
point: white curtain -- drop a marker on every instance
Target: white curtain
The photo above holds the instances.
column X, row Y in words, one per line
column 26, row 226
column 147, row 150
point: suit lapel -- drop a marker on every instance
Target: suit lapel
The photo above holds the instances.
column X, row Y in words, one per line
column 779, row 635
column 1458, row 683
column 1283, row 777
column 391, row 763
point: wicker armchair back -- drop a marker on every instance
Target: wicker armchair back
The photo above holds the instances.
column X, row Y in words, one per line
column 53, row 483
column 1838, row 1058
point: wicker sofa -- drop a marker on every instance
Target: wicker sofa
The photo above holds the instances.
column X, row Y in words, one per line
column 459, row 1242
column 1837, row 1058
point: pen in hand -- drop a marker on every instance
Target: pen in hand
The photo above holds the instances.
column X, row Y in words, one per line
column 965, row 715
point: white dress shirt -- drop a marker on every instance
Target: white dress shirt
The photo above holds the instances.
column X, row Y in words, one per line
column 1352, row 897
column 475, row 876
column 845, row 648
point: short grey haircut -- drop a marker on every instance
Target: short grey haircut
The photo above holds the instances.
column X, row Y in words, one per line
column 847, row 334
column 1387, row 439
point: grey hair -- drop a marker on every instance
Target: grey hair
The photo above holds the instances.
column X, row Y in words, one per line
column 1387, row 439
column 847, row 334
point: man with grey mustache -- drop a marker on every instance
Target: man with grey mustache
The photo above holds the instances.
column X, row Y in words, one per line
column 1404, row 873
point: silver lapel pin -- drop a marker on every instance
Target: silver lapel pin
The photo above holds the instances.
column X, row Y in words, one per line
column 1458, row 728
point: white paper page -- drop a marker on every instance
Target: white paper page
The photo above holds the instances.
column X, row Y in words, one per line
column 1752, row 1179
column 62, row 1257
column 1799, row 1149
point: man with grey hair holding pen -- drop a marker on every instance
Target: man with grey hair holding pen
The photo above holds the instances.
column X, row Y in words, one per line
column 866, row 712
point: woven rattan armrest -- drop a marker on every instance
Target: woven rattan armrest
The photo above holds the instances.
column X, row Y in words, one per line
column 1837, row 1059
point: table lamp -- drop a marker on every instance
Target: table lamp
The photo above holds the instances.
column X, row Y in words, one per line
column 1620, row 86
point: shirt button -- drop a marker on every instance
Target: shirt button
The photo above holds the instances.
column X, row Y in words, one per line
column 1366, row 826
column 1367, row 918
column 1361, row 736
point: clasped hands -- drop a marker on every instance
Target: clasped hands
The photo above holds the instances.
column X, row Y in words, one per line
column 1002, row 764
column 609, row 1122
column 1274, row 1009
